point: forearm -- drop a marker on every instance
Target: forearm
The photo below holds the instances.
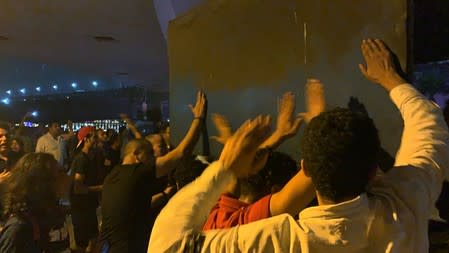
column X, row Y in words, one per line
column 294, row 196
column 190, row 139
column 274, row 141
column 425, row 137
column 189, row 208
column 134, row 131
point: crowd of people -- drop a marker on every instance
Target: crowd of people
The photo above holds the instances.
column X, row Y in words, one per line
column 132, row 193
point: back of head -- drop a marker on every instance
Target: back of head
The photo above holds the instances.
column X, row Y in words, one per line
column 278, row 170
column 136, row 146
column 340, row 150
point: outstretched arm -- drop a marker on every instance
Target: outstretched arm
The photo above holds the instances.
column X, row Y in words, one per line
column 299, row 191
column 131, row 126
column 167, row 162
column 189, row 208
column 425, row 138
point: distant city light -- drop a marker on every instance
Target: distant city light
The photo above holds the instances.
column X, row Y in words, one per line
column 38, row 89
column 23, row 91
column 35, row 114
column 95, row 83
column 8, row 92
column 55, row 87
column 74, row 85
column 5, row 101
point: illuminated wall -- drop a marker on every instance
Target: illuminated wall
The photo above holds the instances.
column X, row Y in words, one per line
column 245, row 54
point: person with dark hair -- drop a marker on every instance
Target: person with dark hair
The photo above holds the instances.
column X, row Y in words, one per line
column 128, row 189
column 4, row 146
column 54, row 142
column 360, row 209
column 267, row 193
column 85, row 190
column 16, row 151
column 190, row 170
column 255, row 193
column 29, row 196
column 113, row 156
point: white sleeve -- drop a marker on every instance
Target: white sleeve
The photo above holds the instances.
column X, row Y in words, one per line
column 40, row 146
column 188, row 209
column 425, row 138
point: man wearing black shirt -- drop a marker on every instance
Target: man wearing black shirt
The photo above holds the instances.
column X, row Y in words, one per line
column 84, row 197
column 127, row 190
column 126, row 196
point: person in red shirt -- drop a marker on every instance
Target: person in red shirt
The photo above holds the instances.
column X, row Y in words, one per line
column 249, row 201
column 255, row 194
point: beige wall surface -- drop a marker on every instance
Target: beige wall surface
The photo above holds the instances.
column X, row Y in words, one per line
column 246, row 53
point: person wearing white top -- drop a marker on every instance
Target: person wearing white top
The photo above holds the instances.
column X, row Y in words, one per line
column 382, row 213
column 53, row 143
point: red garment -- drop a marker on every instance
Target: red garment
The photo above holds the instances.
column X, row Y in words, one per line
column 230, row 212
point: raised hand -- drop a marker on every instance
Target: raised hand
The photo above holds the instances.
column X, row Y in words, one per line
column 199, row 110
column 223, row 128
column 315, row 100
column 380, row 67
column 240, row 153
column 287, row 124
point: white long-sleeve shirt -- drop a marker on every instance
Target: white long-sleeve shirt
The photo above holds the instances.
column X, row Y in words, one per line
column 391, row 217
column 56, row 147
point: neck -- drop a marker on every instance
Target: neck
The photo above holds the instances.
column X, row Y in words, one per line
column 322, row 201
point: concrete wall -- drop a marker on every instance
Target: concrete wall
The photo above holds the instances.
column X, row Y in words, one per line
column 245, row 54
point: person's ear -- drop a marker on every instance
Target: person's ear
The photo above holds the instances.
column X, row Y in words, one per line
column 304, row 168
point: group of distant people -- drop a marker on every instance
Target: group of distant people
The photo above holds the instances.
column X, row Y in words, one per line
column 345, row 194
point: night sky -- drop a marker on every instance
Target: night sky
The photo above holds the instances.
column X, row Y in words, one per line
column 431, row 40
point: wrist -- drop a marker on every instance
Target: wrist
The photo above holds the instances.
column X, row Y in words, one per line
column 392, row 82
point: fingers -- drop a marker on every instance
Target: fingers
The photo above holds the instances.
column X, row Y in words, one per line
column 297, row 122
column 381, row 45
column 363, row 70
column 365, row 49
column 315, row 100
column 288, row 103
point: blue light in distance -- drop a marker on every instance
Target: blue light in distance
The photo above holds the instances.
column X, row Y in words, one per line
column 55, row 87
column 95, row 83
column 23, row 91
column 5, row 101
column 74, row 85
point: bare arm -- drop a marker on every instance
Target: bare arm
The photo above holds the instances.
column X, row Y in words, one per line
column 80, row 188
column 425, row 138
column 167, row 162
column 71, row 133
column 131, row 126
column 299, row 191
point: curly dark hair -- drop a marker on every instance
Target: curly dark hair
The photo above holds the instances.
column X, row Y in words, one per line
column 278, row 170
column 340, row 150
column 32, row 186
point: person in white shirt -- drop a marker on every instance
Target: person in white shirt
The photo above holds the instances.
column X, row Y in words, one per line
column 54, row 143
column 360, row 209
